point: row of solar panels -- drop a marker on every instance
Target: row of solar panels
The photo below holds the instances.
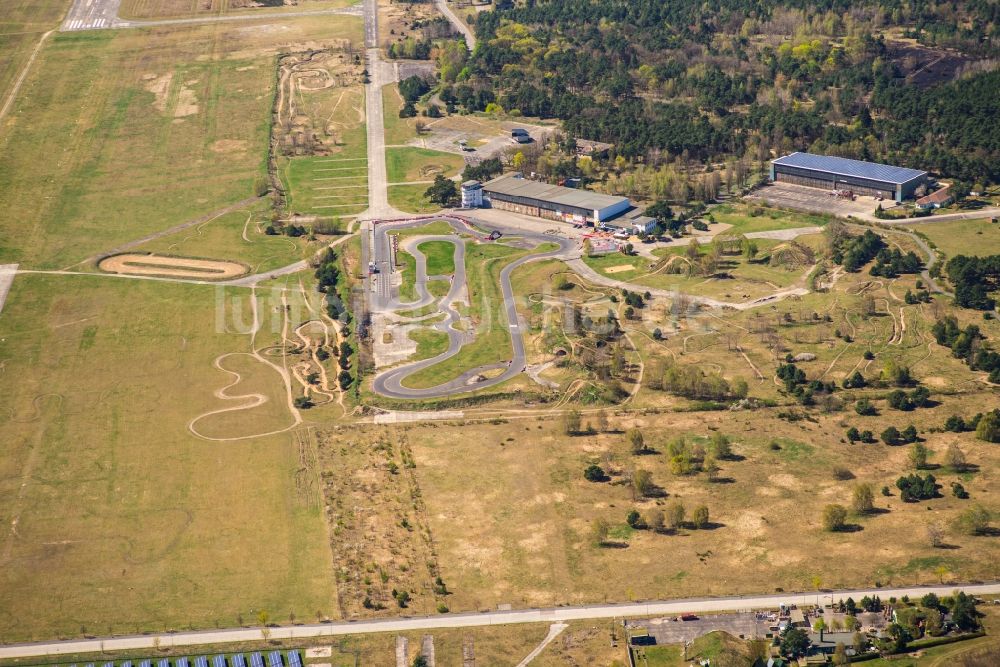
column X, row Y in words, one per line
column 255, row 659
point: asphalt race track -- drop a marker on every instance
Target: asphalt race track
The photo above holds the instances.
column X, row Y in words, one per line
column 389, row 382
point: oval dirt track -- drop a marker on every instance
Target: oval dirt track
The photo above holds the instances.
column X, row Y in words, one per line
column 172, row 267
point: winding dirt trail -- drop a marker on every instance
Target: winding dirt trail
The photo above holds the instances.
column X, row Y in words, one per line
column 256, row 399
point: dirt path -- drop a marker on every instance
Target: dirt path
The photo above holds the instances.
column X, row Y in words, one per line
column 16, row 87
column 208, row 217
column 255, row 398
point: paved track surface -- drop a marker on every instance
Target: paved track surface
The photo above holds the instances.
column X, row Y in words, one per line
column 460, row 25
column 390, row 383
column 103, row 14
column 550, row 615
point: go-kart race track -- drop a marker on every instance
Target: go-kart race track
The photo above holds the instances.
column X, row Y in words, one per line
column 384, row 298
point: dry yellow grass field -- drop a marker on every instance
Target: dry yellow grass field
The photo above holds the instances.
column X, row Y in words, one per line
column 116, row 517
column 518, row 530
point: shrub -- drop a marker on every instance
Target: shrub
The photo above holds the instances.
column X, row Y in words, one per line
column 913, row 488
column 841, row 473
column 955, row 424
column 720, row 446
column 865, row 408
column 700, row 517
column 675, row 515
column 635, row 440
column 654, row 519
column 988, row 428
column 834, row 517
column 634, row 519
column 974, row 521
column 594, row 473
column 891, row 436
column 918, row 456
column 863, row 499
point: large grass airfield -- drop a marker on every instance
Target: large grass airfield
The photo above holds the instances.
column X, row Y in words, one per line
column 140, row 488
column 119, row 134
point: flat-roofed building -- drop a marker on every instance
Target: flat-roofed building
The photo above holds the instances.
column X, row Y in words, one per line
column 838, row 173
column 472, row 194
column 520, row 195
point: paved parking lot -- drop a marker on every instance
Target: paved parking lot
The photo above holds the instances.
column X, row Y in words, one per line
column 815, row 200
column 671, row 631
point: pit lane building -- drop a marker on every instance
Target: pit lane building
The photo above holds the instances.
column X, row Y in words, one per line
column 838, row 173
column 520, row 195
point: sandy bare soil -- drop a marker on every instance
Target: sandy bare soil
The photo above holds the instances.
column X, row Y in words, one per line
column 174, row 267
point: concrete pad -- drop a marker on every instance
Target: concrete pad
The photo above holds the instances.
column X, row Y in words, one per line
column 319, row 652
column 402, row 417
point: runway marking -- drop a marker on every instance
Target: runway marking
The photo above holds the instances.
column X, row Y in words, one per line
column 340, row 178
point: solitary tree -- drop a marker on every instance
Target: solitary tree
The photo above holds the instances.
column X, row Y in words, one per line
column 602, row 421
column 675, row 515
column 840, row 654
column 700, row 517
column 710, row 467
column 571, row 422
column 794, row 642
column 918, row 456
column 635, row 440
column 599, row 530
column 988, row 428
column 935, row 535
column 956, row 458
column 863, row 500
column 443, row 191
column 720, row 446
column 834, row 517
column 642, row 482
column 974, row 521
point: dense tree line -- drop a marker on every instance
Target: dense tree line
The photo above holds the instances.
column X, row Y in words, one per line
column 974, row 278
column 692, row 382
column 967, row 344
column 688, row 77
column 853, row 252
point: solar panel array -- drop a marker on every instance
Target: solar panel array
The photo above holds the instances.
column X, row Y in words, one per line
column 256, row 659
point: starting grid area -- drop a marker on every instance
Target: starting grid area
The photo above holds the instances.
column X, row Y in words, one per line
column 255, row 659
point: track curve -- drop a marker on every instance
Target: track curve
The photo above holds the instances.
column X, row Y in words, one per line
column 389, row 382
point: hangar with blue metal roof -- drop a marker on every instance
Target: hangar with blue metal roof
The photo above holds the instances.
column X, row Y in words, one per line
column 838, row 173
